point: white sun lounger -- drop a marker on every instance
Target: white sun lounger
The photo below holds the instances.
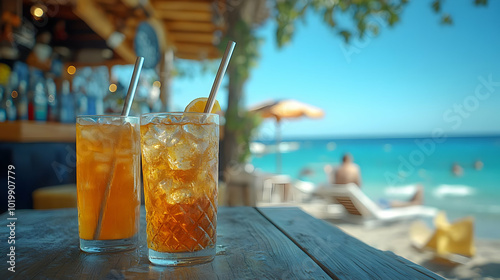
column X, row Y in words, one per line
column 361, row 209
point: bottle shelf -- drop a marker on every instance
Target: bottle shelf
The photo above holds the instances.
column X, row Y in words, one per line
column 33, row 131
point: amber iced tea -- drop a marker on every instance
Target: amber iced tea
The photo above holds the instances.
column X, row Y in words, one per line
column 108, row 153
column 180, row 171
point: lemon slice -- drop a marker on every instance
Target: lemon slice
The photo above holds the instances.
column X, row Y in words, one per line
column 198, row 105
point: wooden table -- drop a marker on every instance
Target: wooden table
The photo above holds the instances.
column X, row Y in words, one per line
column 253, row 243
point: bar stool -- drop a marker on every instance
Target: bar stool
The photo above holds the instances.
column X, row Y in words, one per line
column 62, row 196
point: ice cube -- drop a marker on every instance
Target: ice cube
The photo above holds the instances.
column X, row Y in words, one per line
column 177, row 160
column 199, row 145
column 158, row 131
column 89, row 135
column 180, row 195
column 151, row 150
column 126, row 144
column 102, row 168
column 86, row 121
column 103, row 157
column 167, row 134
column 166, row 184
column 173, row 119
column 198, row 131
column 107, row 132
column 152, row 174
column 149, row 118
column 167, row 120
column 182, row 155
column 88, row 143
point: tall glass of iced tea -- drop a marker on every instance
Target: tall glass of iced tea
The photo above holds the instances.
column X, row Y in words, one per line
column 108, row 182
column 180, row 172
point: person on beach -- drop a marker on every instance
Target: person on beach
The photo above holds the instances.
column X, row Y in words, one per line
column 416, row 199
column 478, row 165
column 349, row 172
column 457, row 170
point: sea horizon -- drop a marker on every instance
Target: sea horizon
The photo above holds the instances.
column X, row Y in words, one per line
column 374, row 137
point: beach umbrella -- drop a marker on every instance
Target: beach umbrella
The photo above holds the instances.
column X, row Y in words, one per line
column 285, row 109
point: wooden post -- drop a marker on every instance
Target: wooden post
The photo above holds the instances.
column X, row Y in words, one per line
column 278, row 142
column 166, row 67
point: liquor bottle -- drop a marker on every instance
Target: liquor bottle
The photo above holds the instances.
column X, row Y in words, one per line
column 39, row 101
column 81, row 102
column 31, row 97
column 52, row 114
column 9, row 94
column 91, row 105
column 3, row 112
column 22, row 101
column 66, row 104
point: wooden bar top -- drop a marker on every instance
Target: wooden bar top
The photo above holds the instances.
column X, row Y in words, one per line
column 33, row 131
column 252, row 243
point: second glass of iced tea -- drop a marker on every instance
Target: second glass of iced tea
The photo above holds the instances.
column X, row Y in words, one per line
column 180, row 172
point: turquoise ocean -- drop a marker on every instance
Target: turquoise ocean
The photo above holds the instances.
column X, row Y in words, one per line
column 389, row 166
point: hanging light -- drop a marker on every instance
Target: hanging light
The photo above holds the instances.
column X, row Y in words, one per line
column 71, row 70
column 38, row 10
column 112, row 87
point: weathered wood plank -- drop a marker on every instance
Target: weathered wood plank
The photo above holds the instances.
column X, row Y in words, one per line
column 184, row 15
column 339, row 254
column 184, row 6
column 194, row 37
column 190, row 26
column 249, row 247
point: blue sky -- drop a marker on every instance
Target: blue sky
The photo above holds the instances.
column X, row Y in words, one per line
column 412, row 79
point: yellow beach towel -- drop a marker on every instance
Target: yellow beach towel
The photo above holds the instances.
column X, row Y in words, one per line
column 447, row 239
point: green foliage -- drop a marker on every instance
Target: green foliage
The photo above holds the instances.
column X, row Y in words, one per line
column 289, row 11
column 446, row 19
column 436, row 6
column 244, row 125
column 346, row 34
column 246, row 54
column 286, row 13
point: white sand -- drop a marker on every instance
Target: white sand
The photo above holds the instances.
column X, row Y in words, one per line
column 395, row 238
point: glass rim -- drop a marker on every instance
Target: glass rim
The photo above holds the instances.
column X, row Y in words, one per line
column 106, row 116
column 177, row 113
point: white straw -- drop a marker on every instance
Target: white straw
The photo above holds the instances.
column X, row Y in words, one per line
column 126, row 110
column 133, row 86
column 220, row 74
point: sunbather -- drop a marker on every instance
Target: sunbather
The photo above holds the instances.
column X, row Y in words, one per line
column 416, row 199
column 349, row 172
